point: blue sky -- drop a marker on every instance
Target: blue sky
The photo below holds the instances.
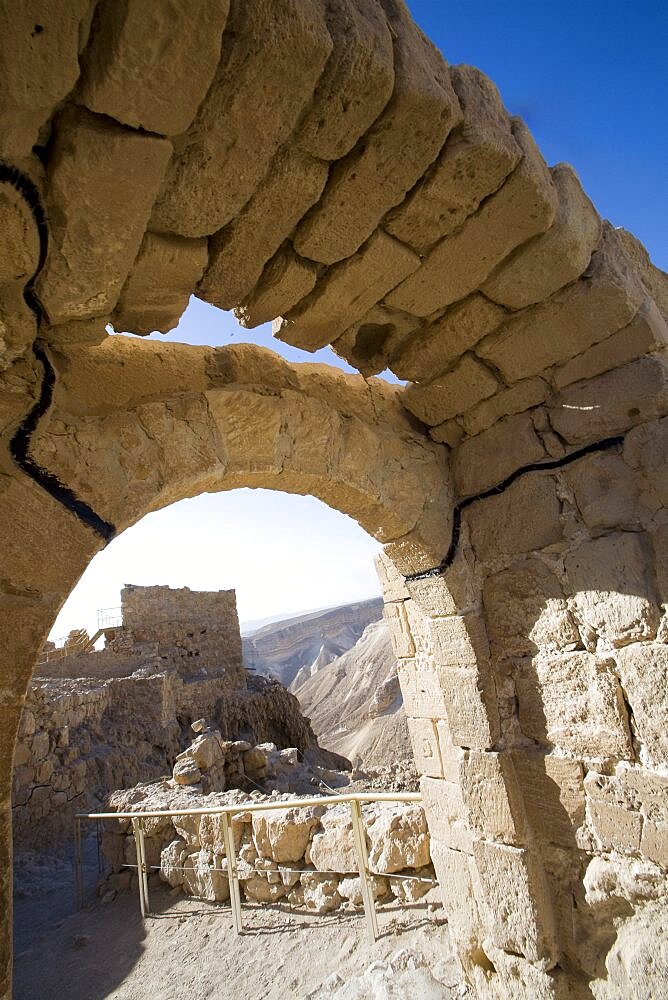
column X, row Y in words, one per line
column 590, row 78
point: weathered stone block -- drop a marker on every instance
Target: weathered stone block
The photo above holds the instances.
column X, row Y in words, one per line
column 239, row 252
column 646, row 450
column 421, row 689
column 150, row 67
column 475, row 161
column 356, row 83
column 491, row 795
column 524, row 206
column 451, row 755
column 346, row 293
column 609, row 404
column 526, row 516
column 470, row 707
column 397, row 149
column 272, row 57
column 606, row 492
column 647, row 332
column 370, row 343
column 613, row 588
column 102, row 182
column 573, row 701
column 459, row 641
column 455, row 874
column 553, row 795
column 452, row 393
column 392, row 583
column 37, row 68
column 525, row 611
column 285, row 281
column 644, row 674
column 488, row 458
column 557, row 257
column 517, row 907
column 161, row 281
column 615, row 828
column 653, row 278
column 425, row 747
column 446, row 813
column 400, row 633
column 519, row 397
column 436, row 346
column 604, row 300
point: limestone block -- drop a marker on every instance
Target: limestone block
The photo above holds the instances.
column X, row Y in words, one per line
column 490, row 457
column 516, row 399
column 283, row 834
column 455, row 879
column 19, row 246
column 102, row 181
column 587, row 311
column 607, row 492
column 272, row 57
column 643, row 671
column 186, row 772
column 259, row 889
column 238, row 253
column 654, row 842
column 448, row 395
column 346, row 293
column 633, row 394
column 492, row 798
column 653, row 278
column 647, row 332
column 357, row 81
column 645, row 450
column 525, row 611
column 555, row 258
column 161, row 281
column 249, row 425
column 150, row 67
column 450, row 433
column 421, row 690
column 614, row 590
column 370, row 343
column 459, row 641
column 474, row 162
column 447, row 814
column 517, row 907
column 408, row 890
column 401, row 144
column 18, row 330
column 438, row 345
column 615, row 828
column 39, row 66
column 425, row 747
column 332, row 848
column 553, row 795
column 637, row 962
column 470, row 707
column 573, row 701
column 524, row 517
column 320, row 892
column 397, row 837
column 400, row 633
column 392, row 583
column 285, row 281
column 524, row 206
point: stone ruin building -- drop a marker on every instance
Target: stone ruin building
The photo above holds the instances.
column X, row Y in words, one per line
column 318, row 164
column 99, row 720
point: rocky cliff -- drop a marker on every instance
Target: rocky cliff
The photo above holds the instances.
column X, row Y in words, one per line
column 308, row 642
column 354, row 702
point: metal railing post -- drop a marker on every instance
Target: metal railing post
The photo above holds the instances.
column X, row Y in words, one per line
column 363, row 868
column 78, row 874
column 139, row 844
column 232, row 874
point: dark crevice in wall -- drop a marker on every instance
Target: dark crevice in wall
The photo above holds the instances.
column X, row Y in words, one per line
column 493, row 491
column 19, row 446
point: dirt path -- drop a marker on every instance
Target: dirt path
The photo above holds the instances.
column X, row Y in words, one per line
column 188, row 950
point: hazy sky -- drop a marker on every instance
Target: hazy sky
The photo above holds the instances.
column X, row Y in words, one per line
column 590, row 78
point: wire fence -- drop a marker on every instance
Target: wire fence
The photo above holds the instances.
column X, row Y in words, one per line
column 354, row 800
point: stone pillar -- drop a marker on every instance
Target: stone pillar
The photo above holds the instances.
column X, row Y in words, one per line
column 45, row 549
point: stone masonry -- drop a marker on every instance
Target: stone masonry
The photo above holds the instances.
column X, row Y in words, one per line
column 317, row 163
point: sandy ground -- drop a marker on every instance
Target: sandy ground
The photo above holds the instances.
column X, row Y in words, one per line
column 188, row 949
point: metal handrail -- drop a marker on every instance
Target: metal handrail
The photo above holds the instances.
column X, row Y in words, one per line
column 353, row 799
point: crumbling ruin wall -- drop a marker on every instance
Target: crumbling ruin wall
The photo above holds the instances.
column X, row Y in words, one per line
column 393, row 208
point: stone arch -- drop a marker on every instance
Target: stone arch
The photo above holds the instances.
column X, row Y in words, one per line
column 378, row 200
